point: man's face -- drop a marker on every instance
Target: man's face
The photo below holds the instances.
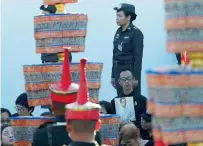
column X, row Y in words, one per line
column 22, row 111
column 4, row 115
column 121, row 19
column 126, row 80
column 123, row 102
column 146, row 125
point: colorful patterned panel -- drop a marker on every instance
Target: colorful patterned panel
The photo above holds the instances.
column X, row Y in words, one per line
column 176, row 103
column 25, row 127
column 110, row 129
column 183, row 14
column 53, row 32
column 38, row 79
column 53, row 2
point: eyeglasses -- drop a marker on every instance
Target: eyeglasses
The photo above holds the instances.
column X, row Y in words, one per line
column 125, row 79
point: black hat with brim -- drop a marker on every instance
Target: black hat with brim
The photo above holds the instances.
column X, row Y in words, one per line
column 50, row 8
column 127, row 8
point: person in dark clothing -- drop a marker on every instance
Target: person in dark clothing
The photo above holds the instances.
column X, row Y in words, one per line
column 146, row 127
column 5, row 115
column 22, row 107
column 130, row 135
column 128, row 47
column 106, row 107
column 83, row 119
column 127, row 81
column 178, row 57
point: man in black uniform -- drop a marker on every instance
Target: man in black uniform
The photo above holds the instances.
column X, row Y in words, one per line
column 83, row 116
column 64, row 92
column 128, row 46
column 126, row 81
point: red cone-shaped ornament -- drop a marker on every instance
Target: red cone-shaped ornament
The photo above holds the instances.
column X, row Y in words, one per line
column 64, row 91
column 83, row 95
column 82, row 109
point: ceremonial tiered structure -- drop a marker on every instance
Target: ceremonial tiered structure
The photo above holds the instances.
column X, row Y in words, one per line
column 53, row 32
column 176, row 93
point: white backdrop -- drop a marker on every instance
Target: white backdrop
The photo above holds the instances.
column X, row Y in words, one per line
column 18, row 44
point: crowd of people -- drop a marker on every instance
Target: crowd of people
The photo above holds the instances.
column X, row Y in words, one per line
column 135, row 122
column 129, row 104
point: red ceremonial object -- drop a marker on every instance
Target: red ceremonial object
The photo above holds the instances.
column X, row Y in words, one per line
column 159, row 143
column 83, row 109
column 64, row 91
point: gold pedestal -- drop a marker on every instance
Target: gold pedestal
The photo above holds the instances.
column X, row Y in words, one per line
column 60, row 57
column 196, row 60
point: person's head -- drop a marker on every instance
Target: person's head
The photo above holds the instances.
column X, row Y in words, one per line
column 58, row 108
column 123, row 102
column 82, row 127
column 127, row 81
column 5, row 113
column 125, row 14
column 106, row 107
column 22, row 107
column 146, row 121
column 129, row 135
column 7, row 136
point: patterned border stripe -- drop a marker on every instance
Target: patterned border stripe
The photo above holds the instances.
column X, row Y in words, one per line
column 193, row 110
column 61, row 18
column 22, row 143
column 53, row 2
column 176, row 47
column 111, row 142
column 195, row 136
column 40, row 101
column 28, row 122
column 47, row 101
column 59, row 49
column 187, row 22
column 168, row 110
column 77, row 33
column 113, row 120
column 173, row 137
column 174, row 81
column 46, row 85
column 58, row 68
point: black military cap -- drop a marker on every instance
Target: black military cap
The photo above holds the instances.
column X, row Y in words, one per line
column 127, row 8
column 50, row 8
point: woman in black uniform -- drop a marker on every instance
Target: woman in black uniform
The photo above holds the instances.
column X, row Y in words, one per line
column 128, row 47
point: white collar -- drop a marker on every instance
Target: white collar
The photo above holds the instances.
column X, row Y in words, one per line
column 61, row 123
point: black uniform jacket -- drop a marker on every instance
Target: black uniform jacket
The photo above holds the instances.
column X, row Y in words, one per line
column 59, row 136
column 140, row 106
column 128, row 47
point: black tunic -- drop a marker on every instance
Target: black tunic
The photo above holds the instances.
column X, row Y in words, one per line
column 59, row 135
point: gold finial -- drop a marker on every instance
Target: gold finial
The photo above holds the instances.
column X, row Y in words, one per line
column 196, row 60
column 60, row 57
column 60, row 8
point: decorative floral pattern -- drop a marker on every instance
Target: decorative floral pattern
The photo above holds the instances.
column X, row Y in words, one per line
column 110, row 129
column 175, row 102
column 38, row 79
column 53, row 32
